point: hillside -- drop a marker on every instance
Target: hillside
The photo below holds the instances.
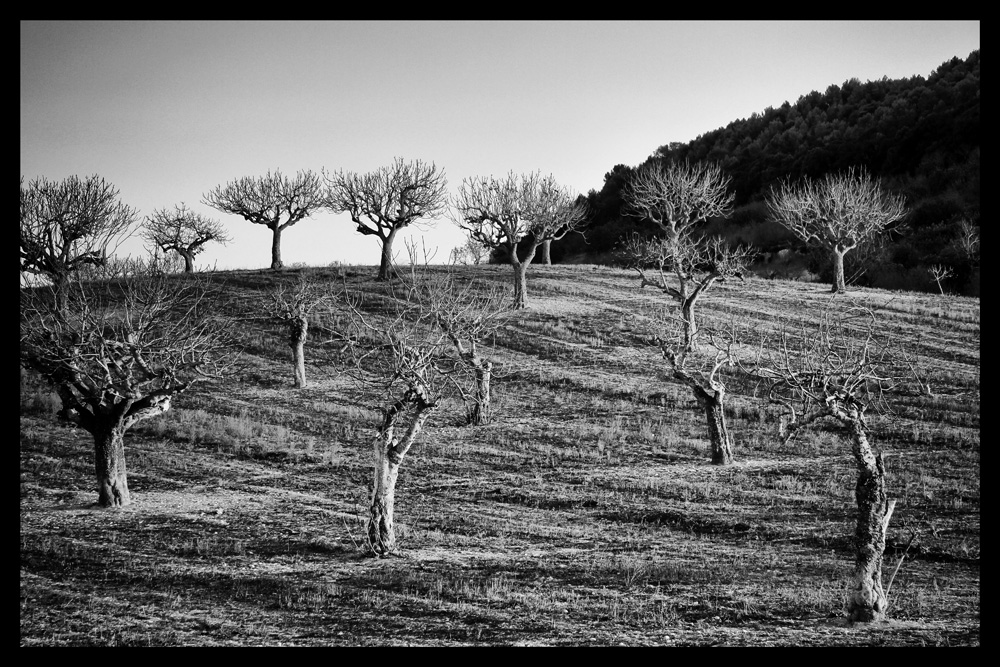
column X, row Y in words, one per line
column 920, row 136
column 586, row 514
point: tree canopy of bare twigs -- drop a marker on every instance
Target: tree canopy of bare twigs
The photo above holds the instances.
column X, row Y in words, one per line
column 838, row 212
column 844, row 369
column 677, row 196
column 845, row 365
column 121, row 349
column 500, row 213
column 69, row 224
column 389, row 199
column 183, row 231
column 274, row 200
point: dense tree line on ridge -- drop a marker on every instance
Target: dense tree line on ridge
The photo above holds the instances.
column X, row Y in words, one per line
column 919, row 136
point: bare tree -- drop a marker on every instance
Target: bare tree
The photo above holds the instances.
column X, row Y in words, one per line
column 467, row 313
column 275, row 201
column 678, row 197
column 469, row 252
column 291, row 307
column 968, row 241
column 119, row 352
column 387, row 200
column 843, row 370
column 183, row 231
column 941, row 272
column 69, row 224
column 500, row 213
column 397, row 351
column 402, row 343
column 838, row 212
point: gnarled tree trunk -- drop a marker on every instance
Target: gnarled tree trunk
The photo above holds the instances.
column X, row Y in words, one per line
column 713, row 402
column 298, row 331
column 867, row 601
column 381, row 532
column 481, row 410
column 389, row 453
column 718, row 432
column 690, row 326
column 109, row 465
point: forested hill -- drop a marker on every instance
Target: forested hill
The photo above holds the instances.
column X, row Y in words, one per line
column 920, row 136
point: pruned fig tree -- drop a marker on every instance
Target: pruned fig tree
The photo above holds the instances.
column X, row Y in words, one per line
column 123, row 347
column 501, row 213
column 841, row 370
column 684, row 265
column 274, row 201
column 387, row 200
column 70, row 224
column 403, row 342
column 183, row 231
column 679, row 197
column 468, row 313
column 838, row 212
column 291, row 306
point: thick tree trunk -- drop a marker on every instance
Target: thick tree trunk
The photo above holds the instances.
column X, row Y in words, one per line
column 188, row 262
column 547, row 252
column 276, row 248
column 386, row 262
column 481, row 411
column 722, row 446
column 381, row 533
column 690, row 326
column 299, row 329
column 713, row 402
column 867, row 601
column 838, row 270
column 109, row 464
column 520, row 285
column 389, row 453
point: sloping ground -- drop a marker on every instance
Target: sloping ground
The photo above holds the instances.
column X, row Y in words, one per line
column 586, row 514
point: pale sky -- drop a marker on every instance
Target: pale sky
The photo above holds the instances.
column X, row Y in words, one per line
column 166, row 111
